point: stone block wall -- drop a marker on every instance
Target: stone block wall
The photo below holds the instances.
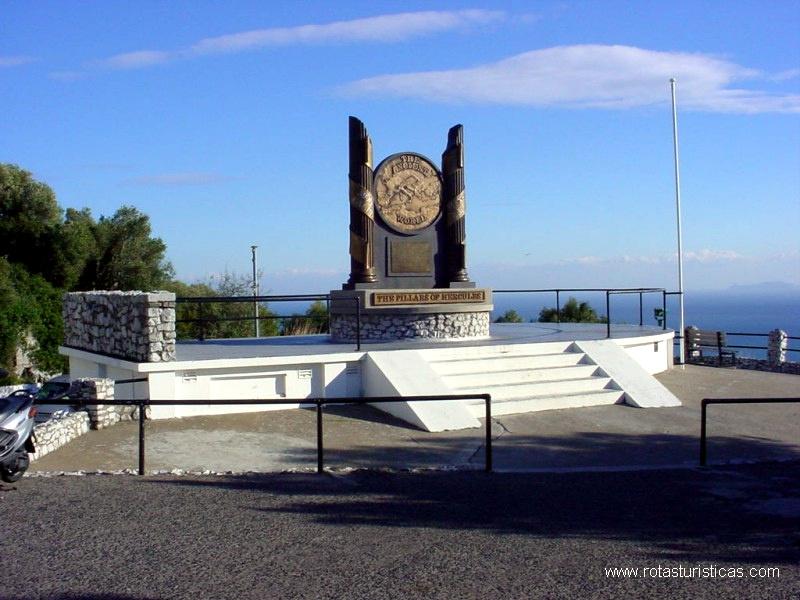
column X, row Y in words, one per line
column 101, row 415
column 94, row 414
column 136, row 326
column 56, row 432
column 776, row 347
column 409, row 326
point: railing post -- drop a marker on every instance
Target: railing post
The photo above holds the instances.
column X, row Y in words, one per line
column 328, row 311
column 558, row 306
column 664, row 308
column 320, row 466
column 202, row 314
column 488, row 458
column 141, row 438
column 608, row 313
column 358, row 323
column 703, row 405
column 641, row 314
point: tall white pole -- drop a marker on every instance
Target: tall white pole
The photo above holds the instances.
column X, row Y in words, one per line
column 255, row 289
column 682, row 346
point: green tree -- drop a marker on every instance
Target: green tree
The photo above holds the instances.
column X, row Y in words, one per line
column 28, row 215
column 74, row 245
column 29, row 305
column 10, row 319
column 315, row 320
column 571, row 312
column 126, row 256
column 214, row 314
column 42, row 319
column 510, row 316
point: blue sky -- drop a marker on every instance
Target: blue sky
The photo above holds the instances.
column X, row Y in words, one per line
column 227, row 124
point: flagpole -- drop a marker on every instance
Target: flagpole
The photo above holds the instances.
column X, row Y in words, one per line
column 682, row 330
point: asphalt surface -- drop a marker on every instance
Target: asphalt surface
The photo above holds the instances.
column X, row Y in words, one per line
column 371, row 534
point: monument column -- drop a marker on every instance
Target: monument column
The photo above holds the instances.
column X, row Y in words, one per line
column 362, row 207
column 455, row 204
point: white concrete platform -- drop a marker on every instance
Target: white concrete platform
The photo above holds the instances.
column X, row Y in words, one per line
column 526, row 367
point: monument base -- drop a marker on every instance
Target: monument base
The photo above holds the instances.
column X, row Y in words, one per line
column 392, row 314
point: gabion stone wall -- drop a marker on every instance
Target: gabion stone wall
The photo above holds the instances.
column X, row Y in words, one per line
column 408, row 326
column 136, row 326
column 95, row 390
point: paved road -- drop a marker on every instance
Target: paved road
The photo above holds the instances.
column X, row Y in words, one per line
column 371, row 534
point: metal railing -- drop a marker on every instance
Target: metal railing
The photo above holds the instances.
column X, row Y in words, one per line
column 141, row 404
column 766, row 335
column 703, row 414
column 205, row 320
column 608, row 293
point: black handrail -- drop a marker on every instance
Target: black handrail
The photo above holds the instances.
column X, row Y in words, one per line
column 203, row 300
column 608, row 292
column 766, row 335
column 319, row 402
column 706, row 401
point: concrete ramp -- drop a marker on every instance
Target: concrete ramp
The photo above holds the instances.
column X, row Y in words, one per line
column 407, row 373
column 640, row 388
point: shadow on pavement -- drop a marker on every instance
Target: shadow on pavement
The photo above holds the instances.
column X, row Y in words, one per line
column 689, row 515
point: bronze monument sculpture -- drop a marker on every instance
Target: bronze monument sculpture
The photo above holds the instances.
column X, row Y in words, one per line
column 408, row 247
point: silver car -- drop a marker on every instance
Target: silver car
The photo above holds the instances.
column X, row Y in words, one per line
column 55, row 389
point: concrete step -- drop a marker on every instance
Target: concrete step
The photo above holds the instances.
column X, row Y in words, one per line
column 549, row 388
column 476, row 379
column 494, row 364
column 512, row 406
column 469, row 352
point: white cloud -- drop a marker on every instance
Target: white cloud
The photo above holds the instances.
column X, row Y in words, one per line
column 587, row 76
column 712, row 256
column 15, row 61
column 178, row 179
column 135, row 60
column 704, row 255
column 383, row 28
column 786, row 75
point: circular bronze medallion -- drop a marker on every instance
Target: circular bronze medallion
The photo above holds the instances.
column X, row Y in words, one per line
column 408, row 192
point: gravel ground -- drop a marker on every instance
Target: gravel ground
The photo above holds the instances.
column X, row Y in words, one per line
column 372, row 534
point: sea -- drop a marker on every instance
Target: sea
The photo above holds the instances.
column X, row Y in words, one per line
column 719, row 311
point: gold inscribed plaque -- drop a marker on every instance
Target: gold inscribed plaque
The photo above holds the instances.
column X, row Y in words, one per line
column 408, row 192
column 431, row 297
column 410, row 257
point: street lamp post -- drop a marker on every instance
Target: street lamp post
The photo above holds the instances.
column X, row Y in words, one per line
column 682, row 346
column 255, row 290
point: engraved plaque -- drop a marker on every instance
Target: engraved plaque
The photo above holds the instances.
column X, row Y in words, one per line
column 408, row 192
column 410, row 257
column 432, row 297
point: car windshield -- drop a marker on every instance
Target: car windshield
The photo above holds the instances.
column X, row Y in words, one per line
column 51, row 390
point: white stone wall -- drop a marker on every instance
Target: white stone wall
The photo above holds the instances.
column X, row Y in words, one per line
column 95, row 390
column 408, row 326
column 137, row 326
column 56, row 432
column 778, row 342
